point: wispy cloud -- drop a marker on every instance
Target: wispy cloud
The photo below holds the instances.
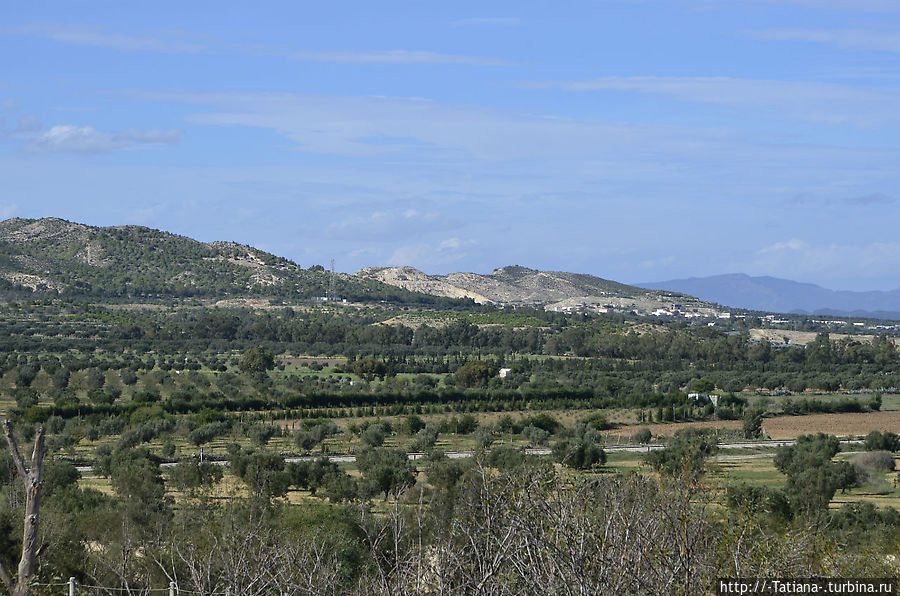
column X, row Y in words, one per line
column 794, row 244
column 390, row 224
column 368, row 126
column 843, row 5
column 85, row 139
column 147, row 137
column 826, row 102
column 28, row 123
column 871, row 200
column 84, row 35
column 875, row 199
column 851, row 39
column 814, row 260
column 391, row 57
column 430, row 256
column 488, row 21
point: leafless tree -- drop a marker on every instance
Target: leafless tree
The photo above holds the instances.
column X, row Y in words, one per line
column 31, row 477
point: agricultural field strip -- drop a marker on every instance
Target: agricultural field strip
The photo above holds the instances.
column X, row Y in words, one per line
column 347, row 458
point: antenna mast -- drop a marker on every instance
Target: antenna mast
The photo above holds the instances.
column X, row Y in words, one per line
column 330, row 295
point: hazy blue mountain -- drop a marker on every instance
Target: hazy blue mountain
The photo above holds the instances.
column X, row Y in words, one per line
column 783, row 295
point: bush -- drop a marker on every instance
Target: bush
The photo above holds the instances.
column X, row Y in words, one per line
column 597, row 421
column 505, row 458
column 466, row 425
column 535, row 436
column 578, row 454
column 887, row 441
column 881, row 461
column 484, row 437
column 544, row 422
column 206, row 433
column 686, row 453
column 261, row 434
column 373, row 436
column 752, row 423
column 414, row 424
column 642, row 436
column 426, row 438
column 753, row 498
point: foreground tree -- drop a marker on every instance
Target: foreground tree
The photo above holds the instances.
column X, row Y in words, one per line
column 812, row 476
column 31, row 476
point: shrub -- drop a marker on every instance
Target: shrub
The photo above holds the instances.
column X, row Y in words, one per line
column 597, row 421
column 882, row 461
column 208, row 432
column 878, row 441
column 578, row 454
column 535, row 436
column 642, row 436
column 426, row 438
column 686, row 452
column 261, row 434
column 505, row 458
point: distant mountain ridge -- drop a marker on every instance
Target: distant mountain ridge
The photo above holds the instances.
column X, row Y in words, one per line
column 55, row 257
column 774, row 294
column 555, row 290
column 504, row 285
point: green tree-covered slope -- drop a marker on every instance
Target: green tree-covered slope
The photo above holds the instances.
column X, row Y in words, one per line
column 56, row 257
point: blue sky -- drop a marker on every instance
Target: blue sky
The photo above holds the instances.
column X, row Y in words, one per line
column 634, row 140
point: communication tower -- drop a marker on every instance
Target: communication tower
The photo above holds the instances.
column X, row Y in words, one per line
column 330, row 295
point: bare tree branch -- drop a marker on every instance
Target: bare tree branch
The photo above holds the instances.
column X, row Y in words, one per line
column 33, row 495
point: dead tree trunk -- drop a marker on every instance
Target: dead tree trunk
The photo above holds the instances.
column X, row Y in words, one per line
column 31, row 476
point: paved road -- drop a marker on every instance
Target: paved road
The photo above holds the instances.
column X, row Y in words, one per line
column 349, row 458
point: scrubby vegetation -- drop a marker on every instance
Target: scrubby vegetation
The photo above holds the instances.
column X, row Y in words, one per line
column 199, row 429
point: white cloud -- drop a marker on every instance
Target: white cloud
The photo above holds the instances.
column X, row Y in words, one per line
column 71, row 139
column 392, row 57
column 150, row 137
column 389, row 224
column 429, row 257
column 85, row 139
column 842, row 5
column 793, row 244
column 851, row 39
column 352, row 126
column 83, row 35
column 488, row 21
column 8, row 104
column 94, row 36
column 799, row 259
column 829, row 102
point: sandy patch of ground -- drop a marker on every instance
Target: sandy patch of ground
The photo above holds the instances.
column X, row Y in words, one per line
column 801, row 338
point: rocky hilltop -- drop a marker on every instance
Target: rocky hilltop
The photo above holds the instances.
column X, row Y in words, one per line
column 55, row 257
column 555, row 290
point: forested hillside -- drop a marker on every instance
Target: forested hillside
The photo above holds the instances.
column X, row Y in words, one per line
column 53, row 257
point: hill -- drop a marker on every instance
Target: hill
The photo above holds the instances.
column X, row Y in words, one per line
column 556, row 290
column 782, row 295
column 54, row 257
